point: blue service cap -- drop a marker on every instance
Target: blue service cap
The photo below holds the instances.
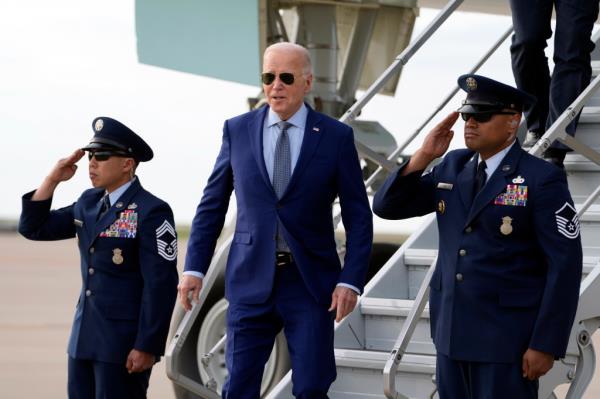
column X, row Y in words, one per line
column 112, row 135
column 485, row 95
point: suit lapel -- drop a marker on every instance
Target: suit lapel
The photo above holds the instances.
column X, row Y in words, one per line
column 255, row 129
column 497, row 182
column 121, row 204
column 310, row 141
column 465, row 182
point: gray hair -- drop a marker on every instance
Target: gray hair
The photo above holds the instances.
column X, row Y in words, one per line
column 293, row 47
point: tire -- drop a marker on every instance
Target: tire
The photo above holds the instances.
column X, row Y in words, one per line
column 212, row 330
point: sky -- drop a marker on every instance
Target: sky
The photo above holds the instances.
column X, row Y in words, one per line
column 65, row 62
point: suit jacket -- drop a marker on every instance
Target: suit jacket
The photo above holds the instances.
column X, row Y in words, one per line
column 509, row 263
column 327, row 167
column 128, row 269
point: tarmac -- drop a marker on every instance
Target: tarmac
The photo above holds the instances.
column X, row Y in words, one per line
column 39, row 287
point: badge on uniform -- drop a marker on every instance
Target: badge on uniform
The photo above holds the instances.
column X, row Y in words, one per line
column 567, row 221
column 117, row 256
column 442, row 207
column 506, row 227
column 515, row 195
column 166, row 241
column 445, row 186
column 124, row 227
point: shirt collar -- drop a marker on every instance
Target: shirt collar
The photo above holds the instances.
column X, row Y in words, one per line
column 494, row 161
column 115, row 195
column 297, row 120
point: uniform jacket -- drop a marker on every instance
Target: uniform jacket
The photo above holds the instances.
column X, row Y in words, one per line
column 327, row 167
column 509, row 263
column 128, row 269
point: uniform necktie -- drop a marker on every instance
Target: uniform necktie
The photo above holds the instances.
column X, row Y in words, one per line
column 480, row 177
column 282, row 170
column 104, row 206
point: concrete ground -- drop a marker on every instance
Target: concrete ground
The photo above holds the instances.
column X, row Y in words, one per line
column 39, row 286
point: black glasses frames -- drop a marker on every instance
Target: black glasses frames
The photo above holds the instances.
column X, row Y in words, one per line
column 483, row 117
column 286, row 77
column 101, row 156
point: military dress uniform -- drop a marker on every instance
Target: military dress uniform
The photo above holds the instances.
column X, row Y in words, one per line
column 128, row 268
column 509, row 262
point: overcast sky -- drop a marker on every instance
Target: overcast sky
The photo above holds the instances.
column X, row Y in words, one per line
column 65, row 62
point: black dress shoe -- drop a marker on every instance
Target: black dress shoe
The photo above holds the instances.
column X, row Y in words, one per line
column 531, row 139
column 555, row 156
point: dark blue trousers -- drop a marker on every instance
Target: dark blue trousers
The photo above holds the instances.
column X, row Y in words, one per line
column 89, row 379
column 308, row 327
column 572, row 47
column 475, row 380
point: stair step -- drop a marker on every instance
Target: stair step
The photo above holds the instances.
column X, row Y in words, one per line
column 590, row 114
column 388, row 307
column 595, row 68
column 360, row 374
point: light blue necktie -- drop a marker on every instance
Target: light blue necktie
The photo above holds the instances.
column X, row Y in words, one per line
column 282, row 170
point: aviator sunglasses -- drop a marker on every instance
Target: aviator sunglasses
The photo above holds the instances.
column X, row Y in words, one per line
column 483, row 117
column 104, row 155
column 269, row 77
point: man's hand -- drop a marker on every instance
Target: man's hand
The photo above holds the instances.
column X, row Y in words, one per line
column 343, row 300
column 138, row 361
column 536, row 364
column 435, row 145
column 187, row 284
column 62, row 171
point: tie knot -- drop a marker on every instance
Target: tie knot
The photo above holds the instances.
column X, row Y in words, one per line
column 106, row 201
column 481, row 167
column 284, row 125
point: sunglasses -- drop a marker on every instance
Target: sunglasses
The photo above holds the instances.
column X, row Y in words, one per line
column 483, row 117
column 269, row 77
column 104, row 155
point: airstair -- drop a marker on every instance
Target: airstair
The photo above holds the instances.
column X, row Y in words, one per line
column 384, row 349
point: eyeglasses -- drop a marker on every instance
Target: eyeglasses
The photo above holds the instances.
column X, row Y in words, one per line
column 269, row 77
column 104, row 155
column 483, row 117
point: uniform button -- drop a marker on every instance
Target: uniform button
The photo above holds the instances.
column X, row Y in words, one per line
column 462, row 252
column 88, row 292
column 92, row 250
column 459, row 277
column 91, row 270
column 469, row 229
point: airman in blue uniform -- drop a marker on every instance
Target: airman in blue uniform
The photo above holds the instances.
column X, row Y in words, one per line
column 505, row 289
column 128, row 249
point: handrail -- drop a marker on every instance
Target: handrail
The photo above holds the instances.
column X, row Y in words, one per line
column 396, row 66
column 408, row 328
column 441, row 106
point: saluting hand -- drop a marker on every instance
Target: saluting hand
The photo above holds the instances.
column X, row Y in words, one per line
column 536, row 364
column 435, row 145
column 62, row 171
column 138, row 361
column 343, row 301
column 186, row 285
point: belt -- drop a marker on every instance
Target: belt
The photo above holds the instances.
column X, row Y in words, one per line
column 283, row 258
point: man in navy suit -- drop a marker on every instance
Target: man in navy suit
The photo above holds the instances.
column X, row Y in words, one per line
column 286, row 164
column 506, row 285
column 128, row 248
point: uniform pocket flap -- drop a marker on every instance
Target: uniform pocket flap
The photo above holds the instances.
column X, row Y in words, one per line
column 120, row 310
column 242, row 237
column 520, row 298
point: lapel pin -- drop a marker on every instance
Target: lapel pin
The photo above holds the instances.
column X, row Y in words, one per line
column 505, row 168
column 316, row 129
column 119, row 204
column 132, row 206
column 441, row 207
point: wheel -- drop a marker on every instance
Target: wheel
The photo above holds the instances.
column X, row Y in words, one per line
column 213, row 329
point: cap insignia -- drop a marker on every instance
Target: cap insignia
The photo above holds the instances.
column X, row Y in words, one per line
column 471, row 84
column 99, row 125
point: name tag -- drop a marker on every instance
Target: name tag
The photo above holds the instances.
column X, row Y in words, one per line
column 445, row 186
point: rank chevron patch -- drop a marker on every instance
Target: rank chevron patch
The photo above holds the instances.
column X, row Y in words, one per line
column 166, row 241
column 567, row 221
